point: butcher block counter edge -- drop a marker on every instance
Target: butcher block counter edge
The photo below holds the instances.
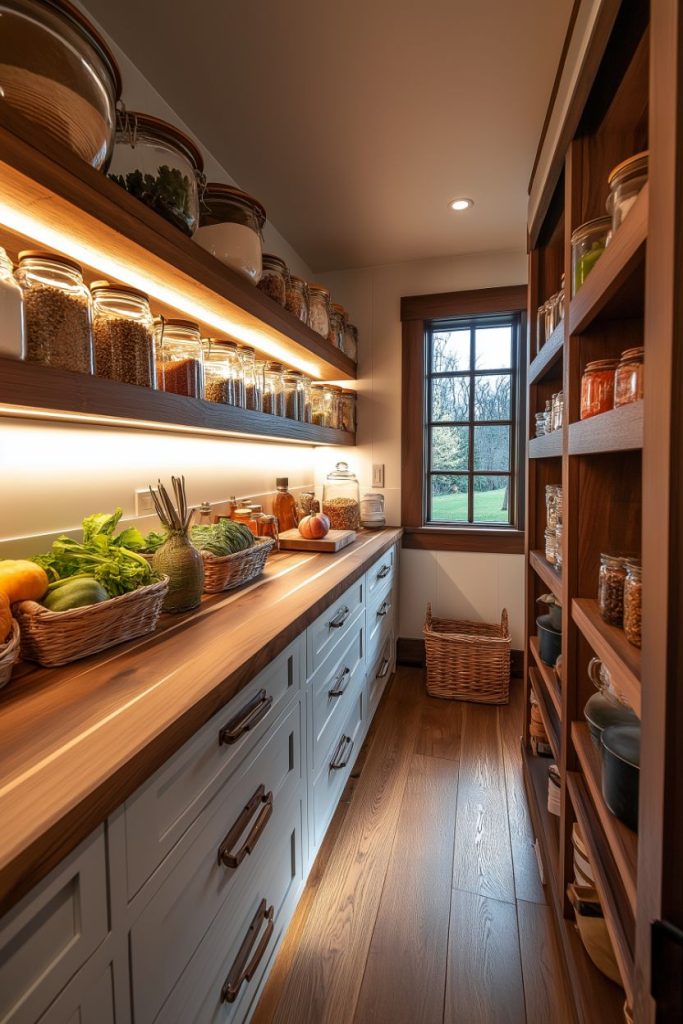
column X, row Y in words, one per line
column 76, row 742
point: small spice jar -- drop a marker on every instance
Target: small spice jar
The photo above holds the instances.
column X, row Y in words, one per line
column 297, row 298
column 348, row 410
column 293, row 388
column 230, row 228
column 267, row 527
column 633, row 592
column 57, row 311
column 252, row 373
column 539, row 424
column 628, row 377
column 337, row 321
column 223, row 373
column 588, row 244
column 550, row 545
column 351, row 341
column 123, row 334
column 319, row 309
column 273, row 389
column 244, row 515
column 611, row 589
column 597, row 387
column 625, row 182
column 180, row 357
column 12, row 332
column 274, row 278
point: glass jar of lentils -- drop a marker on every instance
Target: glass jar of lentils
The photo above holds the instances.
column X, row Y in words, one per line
column 633, row 591
column 274, row 278
column 57, row 311
column 297, row 298
column 123, row 334
column 611, row 589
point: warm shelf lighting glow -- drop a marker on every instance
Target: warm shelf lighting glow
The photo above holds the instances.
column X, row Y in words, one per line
column 461, row 204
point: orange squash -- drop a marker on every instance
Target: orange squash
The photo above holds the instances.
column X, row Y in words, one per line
column 21, row 580
column 5, row 619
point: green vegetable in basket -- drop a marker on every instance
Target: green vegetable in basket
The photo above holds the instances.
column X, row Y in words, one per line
column 222, row 538
column 153, row 541
column 76, row 592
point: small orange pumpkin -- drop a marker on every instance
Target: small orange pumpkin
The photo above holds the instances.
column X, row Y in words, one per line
column 314, row 527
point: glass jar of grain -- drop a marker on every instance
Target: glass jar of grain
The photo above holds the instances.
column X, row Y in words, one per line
column 57, row 310
column 633, row 590
column 341, row 498
column 273, row 390
column 253, row 379
column 223, row 374
column 319, row 309
column 274, row 278
column 337, row 321
column 293, row 388
column 297, row 298
column 123, row 334
column 180, row 357
column 611, row 589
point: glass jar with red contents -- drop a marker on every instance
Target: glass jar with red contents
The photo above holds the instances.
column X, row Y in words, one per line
column 597, row 387
column 628, row 377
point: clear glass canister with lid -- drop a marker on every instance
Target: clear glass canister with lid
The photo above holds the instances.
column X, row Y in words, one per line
column 348, row 411
column 274, row 278
column 253, row 379
column 57, row 311
column 293, row 387
column 334, row 398
column 337, row 321
column 230, row 228
column 123, row 334
column 273, row 389
column 553, row 504
column 540, row 327
column 12, row 332
column 341, row 498
column 159, row 165
column 550, row 545
column 633, row 591
column 611, row 588
column 628, row 377
column 351, row 341
column 597, row 387
column 297, row 298
column 319, row 309
column 180, row 357
column 320, row 405
column 223, row 373
column 625, row 182
column 588, row 244
column 539, row 424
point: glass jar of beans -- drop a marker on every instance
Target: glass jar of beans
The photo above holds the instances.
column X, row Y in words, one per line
column 611, row 589
column 633, row 589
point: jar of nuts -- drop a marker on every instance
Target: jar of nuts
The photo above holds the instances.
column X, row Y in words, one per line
column 633, row 589
column 123, row 334
column 274, row 278
column 341, row 498
column 611, row 589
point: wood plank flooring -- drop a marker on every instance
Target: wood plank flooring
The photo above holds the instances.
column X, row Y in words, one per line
column 424, row 905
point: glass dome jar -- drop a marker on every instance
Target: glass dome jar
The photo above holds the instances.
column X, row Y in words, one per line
column 57, row 311
column 159, row 165
column 123, row 334
column 223, row 373
column 253, row 379
column 337, row 321
column 319, row 309
column 588, row 244
column 12, row 331
column 341, row 498
column 180, row 357
column 273, row 389
column 230, row 228
column 351, row 341
column 297, row 298
column 274, row 278
column 625, row 182
column 58, row 73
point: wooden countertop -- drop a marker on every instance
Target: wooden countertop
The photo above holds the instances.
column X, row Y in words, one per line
column 76, row 741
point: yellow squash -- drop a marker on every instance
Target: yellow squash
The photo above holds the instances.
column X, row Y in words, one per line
column 21, row 580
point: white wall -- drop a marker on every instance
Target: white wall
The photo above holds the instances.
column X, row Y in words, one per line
column 460, row 584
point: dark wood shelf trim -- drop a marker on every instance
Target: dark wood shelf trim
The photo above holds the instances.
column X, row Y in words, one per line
column 551, row 577
column 620, row 430
column 549, row 446
column 621, row 659
column 541, row 695
column 31, row 391
column 486, row 540
column 548, row 677
column 548, row 356
column 546, row 825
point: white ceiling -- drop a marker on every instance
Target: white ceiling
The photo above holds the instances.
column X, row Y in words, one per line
column 356, row 121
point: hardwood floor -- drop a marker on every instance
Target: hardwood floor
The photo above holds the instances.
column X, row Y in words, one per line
column 425, row 905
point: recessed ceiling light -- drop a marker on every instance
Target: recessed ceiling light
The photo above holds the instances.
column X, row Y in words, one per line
column 461, row 204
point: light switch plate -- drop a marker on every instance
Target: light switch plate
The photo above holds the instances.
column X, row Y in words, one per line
column 378, row 474
column 144, row 506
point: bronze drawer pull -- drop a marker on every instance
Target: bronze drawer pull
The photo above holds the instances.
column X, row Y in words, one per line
column 384, row 668
column 244, row 969
column 384, row 572
column 340, row 618
column 225, row 855
column 340, row 683
column 247, row 718
column 341, row 756
column 386, row 605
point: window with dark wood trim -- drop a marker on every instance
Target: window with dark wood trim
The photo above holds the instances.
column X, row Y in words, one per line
column 463, row 416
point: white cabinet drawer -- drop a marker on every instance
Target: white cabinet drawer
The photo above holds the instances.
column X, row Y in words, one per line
column 332, row 690
column 330, row 628
column 87, row 999
column 379, row 618
column 381, row 575
column 50, row 934
column 210, row 990
column 328, row 787
column 246, row 818
column 379, row 671
column 163, row 808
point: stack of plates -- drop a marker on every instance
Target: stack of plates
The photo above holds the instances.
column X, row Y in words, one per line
column 583, row 870
column 554, row 790
column 537, row 733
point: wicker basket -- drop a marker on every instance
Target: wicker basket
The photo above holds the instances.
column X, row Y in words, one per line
column 9, row 654
column 57, row 638
column 225, row 572
column 468, row 660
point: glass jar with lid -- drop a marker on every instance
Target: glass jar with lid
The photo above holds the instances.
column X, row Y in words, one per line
column 558, row 410
column 12, row 332
column 597, row 387
column 559, row 529
column 297, row 298
column 611, row 588
column 351, row 341
column 274, row 278
column 334, row 398
column 628, row 377
column 57, row 311
column 539, row 424
column 293, row 387
column 625, row 182
column 57, row 72
column 540, row 327
column 372, row 512
column 550, row 545
column 588, row 244
column 319, row 309
column 320, row 405
column 180, row 357
column 273, row 389
column 553, row 504
column 123, row 334
column 548, row 416
column 223, row 373
column 348, row 410
column 253, row 379
column 306, row 399
column 633, row 591
column 337, row 321
column 341, row 498
column 230, row 228
column 159, row 165
column 550, row 308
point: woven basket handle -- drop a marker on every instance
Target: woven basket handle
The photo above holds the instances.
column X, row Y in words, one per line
column 504, row 624
column 428, row 620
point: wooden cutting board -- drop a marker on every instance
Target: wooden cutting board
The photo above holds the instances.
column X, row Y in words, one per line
column 291, row 540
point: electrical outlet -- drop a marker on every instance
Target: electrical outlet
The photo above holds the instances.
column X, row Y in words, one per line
column 378, row 474
column 144, row 506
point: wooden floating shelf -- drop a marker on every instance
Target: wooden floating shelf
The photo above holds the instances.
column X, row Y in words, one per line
column 544, row 569
column 620, row 658
column 622, row 841
column 56, row 200
column 546, row 362
column 547, row 676
column 619, row 430
column 609, row 288
column 549, row 446
column 31, row 391
column 620, row 922
column 541, row 695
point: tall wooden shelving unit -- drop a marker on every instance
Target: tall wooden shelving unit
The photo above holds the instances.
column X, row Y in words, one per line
column 617, row 94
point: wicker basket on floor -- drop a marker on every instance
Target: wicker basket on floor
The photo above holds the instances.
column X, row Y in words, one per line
column 9, row 654
column 57, row 638
column 225, row 572
column 467, row 660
